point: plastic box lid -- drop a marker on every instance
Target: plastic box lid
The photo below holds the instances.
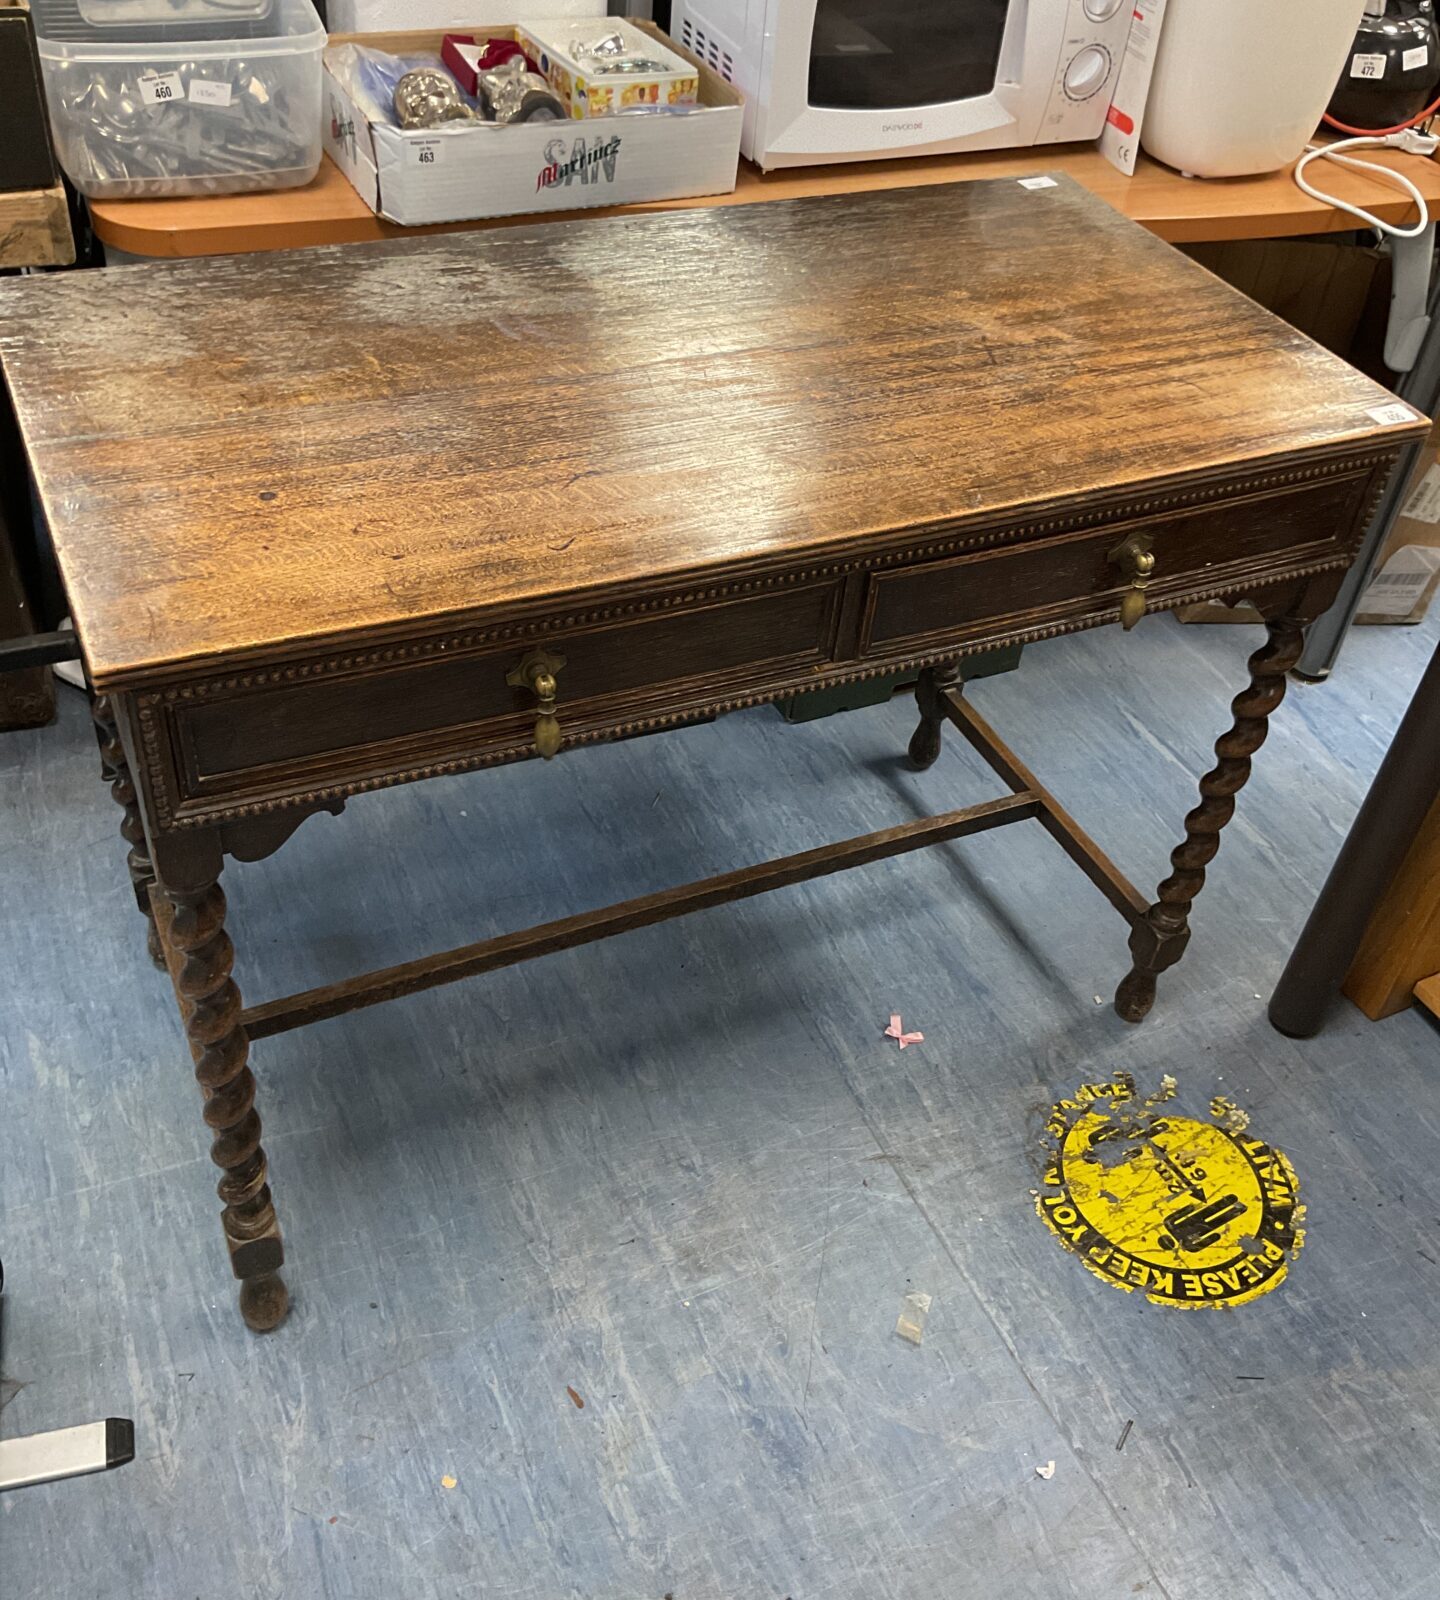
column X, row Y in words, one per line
column 289, row 27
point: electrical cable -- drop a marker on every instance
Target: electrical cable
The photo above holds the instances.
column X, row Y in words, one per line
column 1400, row 127
column 1418, row 144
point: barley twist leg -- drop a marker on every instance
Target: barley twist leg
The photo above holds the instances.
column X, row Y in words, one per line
column 117, row 774
column 1158, row 939
column 210, row 1003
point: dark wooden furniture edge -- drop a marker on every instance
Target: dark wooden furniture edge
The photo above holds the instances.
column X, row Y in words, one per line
column 146, row 712
column 158, row 758
column 867, row 551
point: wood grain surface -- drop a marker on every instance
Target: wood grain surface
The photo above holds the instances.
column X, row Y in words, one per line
column 239, row 456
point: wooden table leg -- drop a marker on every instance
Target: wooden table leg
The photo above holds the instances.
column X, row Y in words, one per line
column 930, row 698
column 1158, row 939
column 117, row 774
column 200, row 956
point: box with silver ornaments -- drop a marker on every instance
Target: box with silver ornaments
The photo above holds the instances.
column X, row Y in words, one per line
column 606, row 66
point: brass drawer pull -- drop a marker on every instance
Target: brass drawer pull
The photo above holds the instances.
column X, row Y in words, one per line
column 536, row 671
column 1136, row 562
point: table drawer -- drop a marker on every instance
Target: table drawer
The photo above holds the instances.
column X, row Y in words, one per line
column 271, row 729
column 1069, row 575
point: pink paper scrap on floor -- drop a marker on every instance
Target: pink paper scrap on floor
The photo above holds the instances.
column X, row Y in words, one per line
column 895, row 1031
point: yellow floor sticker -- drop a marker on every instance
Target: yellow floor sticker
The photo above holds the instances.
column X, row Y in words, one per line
column 1192, row 1213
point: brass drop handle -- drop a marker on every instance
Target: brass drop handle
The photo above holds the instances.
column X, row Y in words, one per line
column 1137, row 563
column 536, row 671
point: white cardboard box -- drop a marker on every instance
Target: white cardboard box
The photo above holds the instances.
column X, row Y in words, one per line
column 418, row 176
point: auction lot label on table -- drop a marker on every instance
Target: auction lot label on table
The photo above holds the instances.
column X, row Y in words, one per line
column 1192, row 1213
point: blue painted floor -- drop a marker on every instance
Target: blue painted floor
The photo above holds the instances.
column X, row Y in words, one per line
column 682, row 1174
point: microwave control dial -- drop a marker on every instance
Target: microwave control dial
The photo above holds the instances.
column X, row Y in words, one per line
column 1102, row 10
column 1087, row 73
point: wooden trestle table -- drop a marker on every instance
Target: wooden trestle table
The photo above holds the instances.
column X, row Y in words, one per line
column 355, row 516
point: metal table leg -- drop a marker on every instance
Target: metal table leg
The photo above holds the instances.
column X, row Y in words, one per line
column 1384, row 828
column 1412, row 346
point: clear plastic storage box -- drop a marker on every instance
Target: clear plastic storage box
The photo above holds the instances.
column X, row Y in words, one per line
column 167, row 107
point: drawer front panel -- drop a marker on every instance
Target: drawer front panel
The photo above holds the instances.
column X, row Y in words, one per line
column 449, row 703
column 1070, row 575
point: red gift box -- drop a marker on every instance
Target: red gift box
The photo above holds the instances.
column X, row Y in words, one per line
column 466, row 57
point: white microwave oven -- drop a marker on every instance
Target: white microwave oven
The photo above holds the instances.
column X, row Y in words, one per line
column 856, row 80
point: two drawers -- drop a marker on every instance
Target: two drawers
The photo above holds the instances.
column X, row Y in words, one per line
column 279, row 735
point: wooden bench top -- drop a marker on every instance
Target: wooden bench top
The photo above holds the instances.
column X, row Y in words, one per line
column 239, row 457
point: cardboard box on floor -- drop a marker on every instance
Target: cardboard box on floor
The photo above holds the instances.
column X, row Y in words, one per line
column 457, row 173
column 1339, row 296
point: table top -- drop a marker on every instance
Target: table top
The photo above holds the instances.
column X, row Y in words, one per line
column 1181, row 210
column 241, row 459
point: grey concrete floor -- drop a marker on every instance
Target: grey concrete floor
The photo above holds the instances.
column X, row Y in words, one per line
column 682, row 1174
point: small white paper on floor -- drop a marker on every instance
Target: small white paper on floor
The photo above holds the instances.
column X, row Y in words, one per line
column 1046, row 1470
column 911, row 1322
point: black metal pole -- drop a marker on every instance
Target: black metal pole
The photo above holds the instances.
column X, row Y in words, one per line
column 1384, row 829
column 38, row 650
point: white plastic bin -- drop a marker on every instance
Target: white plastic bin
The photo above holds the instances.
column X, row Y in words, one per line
column 174, row 115
column 1239, row 87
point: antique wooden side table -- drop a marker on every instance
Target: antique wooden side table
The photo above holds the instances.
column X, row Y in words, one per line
column 357, row 516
